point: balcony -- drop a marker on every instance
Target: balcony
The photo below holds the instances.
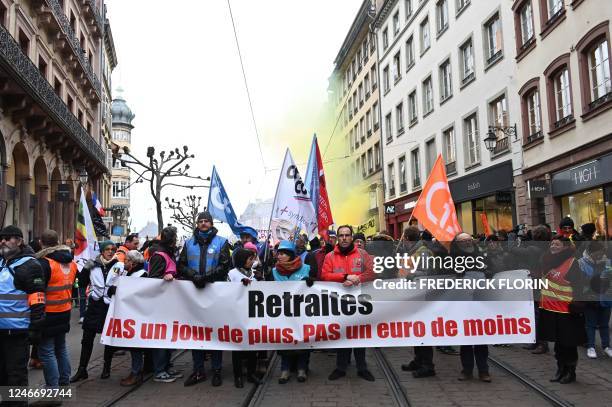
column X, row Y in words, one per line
column 600, row 101
column 66, row 42
column 562, row 122
column 451, row 167
column 533, row 137
column 28, row 99
column 92, row 16
column 502, row 145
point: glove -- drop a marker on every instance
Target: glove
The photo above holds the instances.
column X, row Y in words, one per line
column 309, row 281
column 245, row 282
column 111, row 291
column 37, row 315
column 199, row 281
column 34, row 336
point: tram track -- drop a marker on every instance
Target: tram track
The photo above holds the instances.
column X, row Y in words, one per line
column 392, row 379
column 546, row 394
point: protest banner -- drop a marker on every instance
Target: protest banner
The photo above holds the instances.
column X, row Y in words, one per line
column 151, row 313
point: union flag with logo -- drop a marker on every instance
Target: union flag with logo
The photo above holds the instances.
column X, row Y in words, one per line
column 435, row 208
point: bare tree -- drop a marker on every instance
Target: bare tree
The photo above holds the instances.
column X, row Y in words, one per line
column 185, row 212
column 159, row 172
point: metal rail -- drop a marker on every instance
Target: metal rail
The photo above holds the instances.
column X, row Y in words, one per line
column 546, row 394
column 255, row 396
column 392, row 379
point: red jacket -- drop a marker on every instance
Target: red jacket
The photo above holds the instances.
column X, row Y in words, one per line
column 337, row 265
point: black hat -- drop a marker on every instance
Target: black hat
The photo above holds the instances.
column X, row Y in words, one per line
column 205, row 215
column 566, row 221
column 588, row 229
column 359, row 236
column 11, row 231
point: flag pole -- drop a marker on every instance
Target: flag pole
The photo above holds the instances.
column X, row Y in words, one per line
column 272, row 211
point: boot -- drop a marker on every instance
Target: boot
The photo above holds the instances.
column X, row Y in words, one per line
column 559, row 374
column 81, row 374
column 541, row 348
column 217, row 380
column 106, row 371
column 569, row 376
column 238, row 382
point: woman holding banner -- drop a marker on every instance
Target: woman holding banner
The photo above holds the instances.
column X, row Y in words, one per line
column 289, row 267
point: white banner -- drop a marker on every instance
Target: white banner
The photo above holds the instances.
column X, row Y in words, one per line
column 292, row 210
column 152, row 313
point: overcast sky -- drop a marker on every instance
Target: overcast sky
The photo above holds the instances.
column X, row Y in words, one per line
column 180, row 71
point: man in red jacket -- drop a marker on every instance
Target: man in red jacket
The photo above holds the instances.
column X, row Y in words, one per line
column 350, row 266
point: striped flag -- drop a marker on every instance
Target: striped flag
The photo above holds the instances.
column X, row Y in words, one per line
column 97, row 204
column 84, row 236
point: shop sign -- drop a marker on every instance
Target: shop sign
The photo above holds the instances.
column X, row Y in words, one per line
column 410, row 205
column 368, row 228
column 63, row 192
column 482, row 183
column 390, row 209
column 503, row 197
column 538, row 188
column 584, row 176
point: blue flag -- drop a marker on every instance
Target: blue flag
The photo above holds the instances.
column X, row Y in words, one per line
column 221, row 209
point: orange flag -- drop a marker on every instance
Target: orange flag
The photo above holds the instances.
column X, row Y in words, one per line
column 435, row 208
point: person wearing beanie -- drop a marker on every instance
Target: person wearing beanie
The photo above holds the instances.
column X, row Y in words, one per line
column 93, row 274
column 315, row 244
column 566, row 228
column 205, row 258
column 22, row 277
column 359, row 240
column 289, row 267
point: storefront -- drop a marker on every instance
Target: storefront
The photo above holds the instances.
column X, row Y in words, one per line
column 398, row 214
column 485, row 200
column 584, row 193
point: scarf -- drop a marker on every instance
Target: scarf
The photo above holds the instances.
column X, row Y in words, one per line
column 246, row 273
column 286, row 268
column 346, row 250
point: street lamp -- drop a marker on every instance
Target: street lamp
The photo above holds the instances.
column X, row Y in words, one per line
column 491, row 139
column 83, row 177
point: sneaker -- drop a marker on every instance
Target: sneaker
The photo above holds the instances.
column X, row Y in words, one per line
column 366, row 375
column 608, row 351
column 336, row 374
column 164, row 377
column 175, row 373
column 195, row 378
column 301, row 376
column 591, row 354
column 284, row 377
column 81, row 320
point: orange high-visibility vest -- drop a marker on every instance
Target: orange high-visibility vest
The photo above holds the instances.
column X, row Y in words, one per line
column 59, row 288
column 559, row 294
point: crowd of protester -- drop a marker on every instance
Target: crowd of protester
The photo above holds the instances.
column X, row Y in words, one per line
column 40, row 280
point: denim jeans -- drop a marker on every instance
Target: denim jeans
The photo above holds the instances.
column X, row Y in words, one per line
column 161, row 360
column 198, row 357
column 53, row 354
column 344, row 355
column 301, row 356
column 468, row 353
column 137, row 361
column 597, row 317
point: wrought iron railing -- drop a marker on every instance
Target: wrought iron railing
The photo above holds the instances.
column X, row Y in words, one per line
column 20, row 67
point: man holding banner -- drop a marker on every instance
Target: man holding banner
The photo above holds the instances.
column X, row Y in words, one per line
column 205, row 258
column 350, row 266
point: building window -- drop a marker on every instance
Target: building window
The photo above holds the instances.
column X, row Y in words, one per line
column 396, row 23
column 364, row 169
column 461, row 5
column 416, row 169
column 356, row 133
column 360, row 92
column 386, row 85
column 362, row 129
column 428, row 103
column 551, row 13
column 399, row 118
column 431, row 154
column 120, row 190
column 526, row 22
column 408, row 8
column 554, row 7
column 375, row 115
column 377, row 156
column 88, row 128
column 559, row 94
column 397, row 73
column 449, row 150
column 374, row 77
column 391, row 179
column 366, row 84
column 385, row 38
column 70, row 103
column 563, row 100
column 498, row 117
column 372, row 44
column 409, row 52
column 493, row 35
column 388, row 128
column 467, row 62
column 3, row 14
column 425, row 36
column 531, row 111
column 472, row 148
column 441, row 16
column 364, row 51
column 369, row 122
column 412, row 108
column 595, row 67
column 42, row 66
column 401, row 164
column 446, row 81
column 24, row 43
column 370, row 161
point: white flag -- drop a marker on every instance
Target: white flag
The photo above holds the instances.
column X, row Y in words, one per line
column 85, row 236
column 292, row 212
